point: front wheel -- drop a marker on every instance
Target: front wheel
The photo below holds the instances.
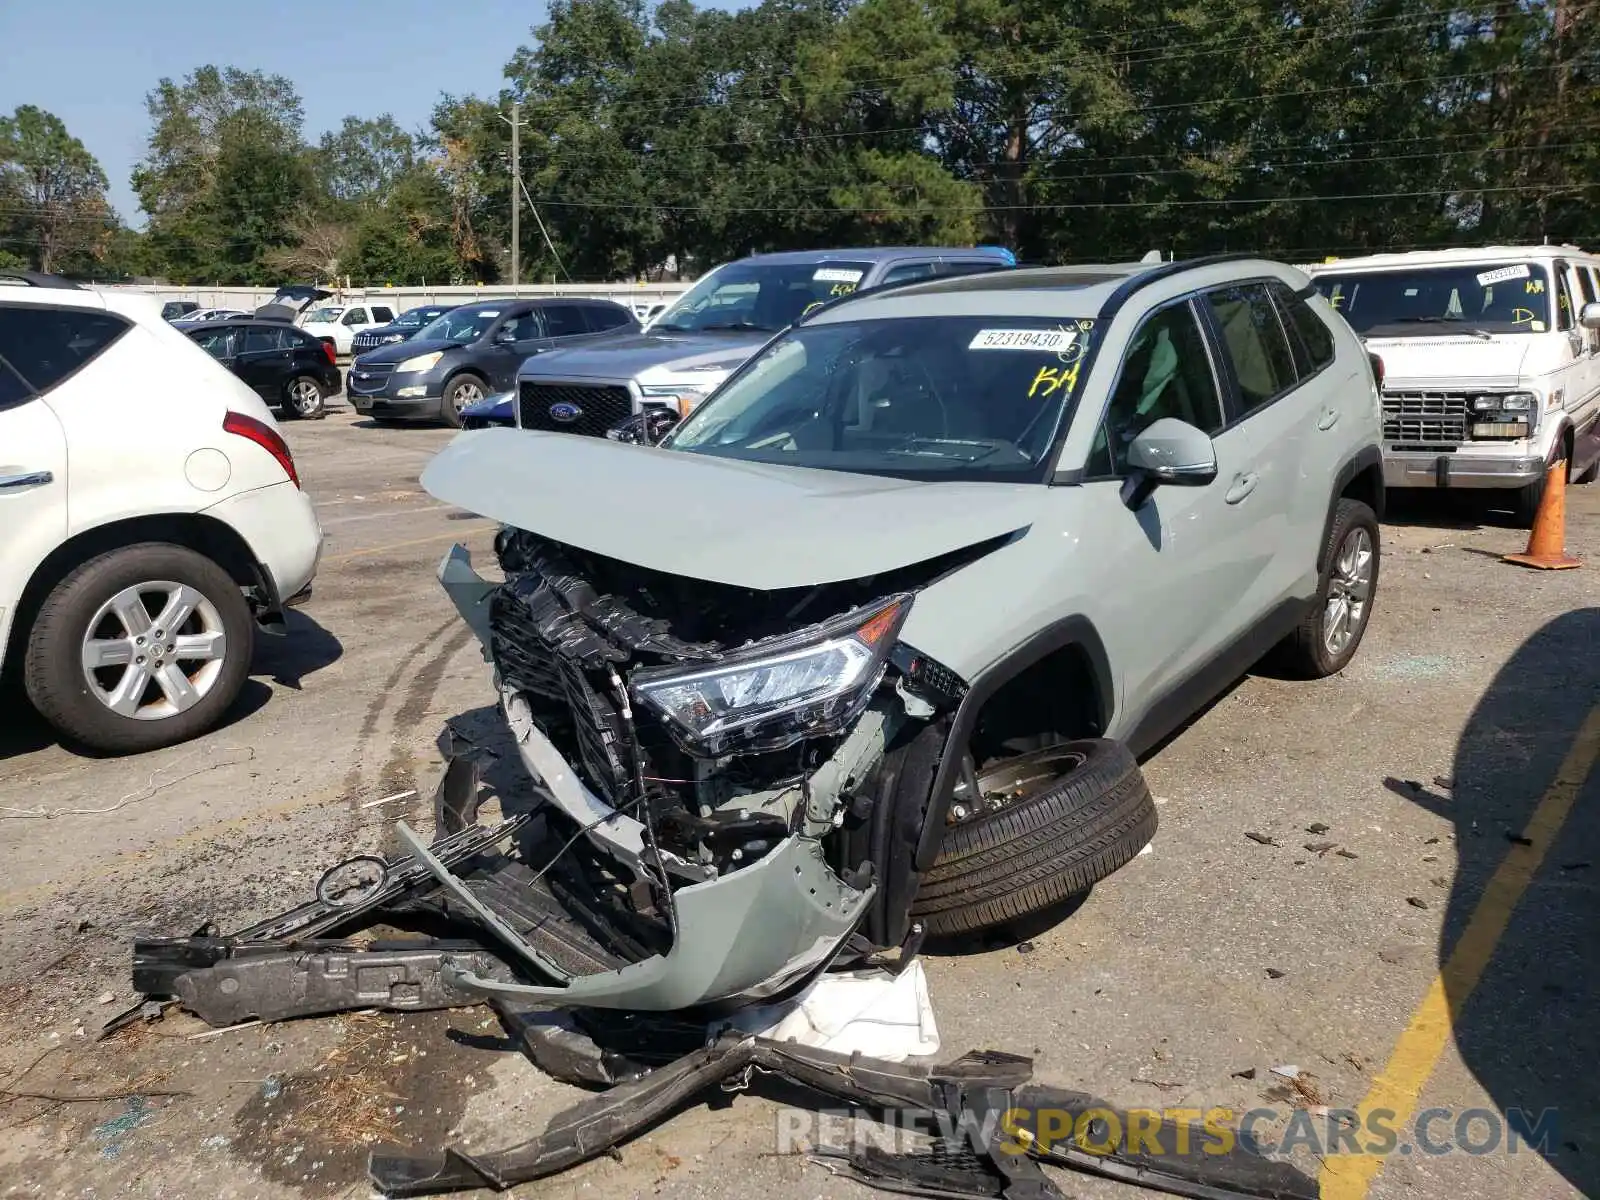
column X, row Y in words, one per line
column 303, row 398
column 461, row 392
column 139, row 648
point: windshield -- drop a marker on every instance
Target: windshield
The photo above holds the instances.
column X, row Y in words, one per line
column 323, row 316
column 919, row 397
column 759, row 296
column 1479, row 298
column 463, row 326
column 417, row 317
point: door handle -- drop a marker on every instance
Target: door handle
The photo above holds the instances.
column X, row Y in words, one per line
column 1243, row 485
column 1328, row 419
column 26, row 479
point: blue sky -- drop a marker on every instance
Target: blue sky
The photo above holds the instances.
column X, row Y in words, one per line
column 91, row 61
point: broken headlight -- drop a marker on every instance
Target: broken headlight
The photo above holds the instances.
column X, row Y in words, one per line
column 811, row 684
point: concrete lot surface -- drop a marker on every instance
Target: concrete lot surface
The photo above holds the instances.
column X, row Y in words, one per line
column 1413, row 954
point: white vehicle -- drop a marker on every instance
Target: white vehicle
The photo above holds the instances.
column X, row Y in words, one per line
column 339, row 323
column 1490, row 362
column 152, row 518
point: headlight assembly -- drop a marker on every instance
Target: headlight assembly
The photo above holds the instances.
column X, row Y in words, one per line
column 811, row 685
column 422, row 362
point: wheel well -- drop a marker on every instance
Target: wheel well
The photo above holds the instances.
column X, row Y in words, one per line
column 1367, row 487
column 1052, row 700
column 195, row 531
column 460, row 371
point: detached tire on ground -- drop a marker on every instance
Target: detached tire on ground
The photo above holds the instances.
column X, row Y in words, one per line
column 1081, row 811
column 139, row 648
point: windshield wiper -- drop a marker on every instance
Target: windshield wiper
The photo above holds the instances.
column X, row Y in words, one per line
column 670, row 325
column 1482, row 334
column 738, row 325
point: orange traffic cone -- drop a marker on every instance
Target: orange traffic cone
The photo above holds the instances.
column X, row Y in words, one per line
column 1547, row 544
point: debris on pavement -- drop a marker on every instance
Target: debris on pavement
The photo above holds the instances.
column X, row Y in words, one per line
column 1347, row 853
column 1416, row 902
column 1260, row 839
column 1275, row 973
column 1247, row 1073
column 1317, row 827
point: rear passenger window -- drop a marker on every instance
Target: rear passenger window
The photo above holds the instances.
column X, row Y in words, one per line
column 563, row 320
column 1256, row 343
column 1167, row 373
column 45, row 345
column 1309, row 338
column 258, row 340
column 356, row 316
column 380, row 313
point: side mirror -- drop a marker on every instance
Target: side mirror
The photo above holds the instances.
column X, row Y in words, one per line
column 1589, row 318
column 1168, row 452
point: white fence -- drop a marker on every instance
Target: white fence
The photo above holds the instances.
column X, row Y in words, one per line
column 400, row 298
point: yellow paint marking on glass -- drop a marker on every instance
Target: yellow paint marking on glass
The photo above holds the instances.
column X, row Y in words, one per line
column 1396, row 1089
column 1052, row 380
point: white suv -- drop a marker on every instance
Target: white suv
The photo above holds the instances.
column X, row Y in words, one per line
column 150, row 518
column 339, row 323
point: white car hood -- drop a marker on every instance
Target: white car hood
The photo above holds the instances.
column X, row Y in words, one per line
column 1450, row 361
column 744, row 524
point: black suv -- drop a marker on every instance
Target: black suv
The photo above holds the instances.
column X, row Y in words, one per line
column 403, row 328
column 287, row 366
column 474, row 351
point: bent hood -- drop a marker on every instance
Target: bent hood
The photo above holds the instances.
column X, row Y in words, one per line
column 1442, row 362
column 744, row 524
column 628, row 357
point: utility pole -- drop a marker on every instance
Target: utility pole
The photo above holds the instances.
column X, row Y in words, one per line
column 516, row 188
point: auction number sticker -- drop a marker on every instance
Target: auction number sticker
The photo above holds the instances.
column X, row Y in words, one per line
column 1048, row 340
column 1501, row 274
column 836, row 275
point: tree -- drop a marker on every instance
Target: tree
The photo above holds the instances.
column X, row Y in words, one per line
column 53, row 209
column 362, row 162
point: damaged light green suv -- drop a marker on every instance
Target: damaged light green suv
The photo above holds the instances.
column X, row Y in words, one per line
column 866, row 647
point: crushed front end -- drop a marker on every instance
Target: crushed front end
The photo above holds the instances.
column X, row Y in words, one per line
column 697, row 746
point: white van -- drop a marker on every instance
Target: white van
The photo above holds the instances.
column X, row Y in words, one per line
column 1490, row 362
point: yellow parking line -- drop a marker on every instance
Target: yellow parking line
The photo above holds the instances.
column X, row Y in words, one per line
column 1396, row 1089
column 457, row 534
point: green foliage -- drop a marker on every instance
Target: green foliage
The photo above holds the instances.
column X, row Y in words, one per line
column 53, row 210
column 1070, row 130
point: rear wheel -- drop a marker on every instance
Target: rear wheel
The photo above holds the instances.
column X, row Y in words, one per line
column 139, row 648
column 303, row 398
column 461, row 392
column 1331, row 631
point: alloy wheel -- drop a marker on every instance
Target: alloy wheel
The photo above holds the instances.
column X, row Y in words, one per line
column 154, row 650
column 1349, row 591
column 305, row 396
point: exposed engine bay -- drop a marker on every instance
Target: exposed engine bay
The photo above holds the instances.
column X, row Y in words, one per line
column 691, row 733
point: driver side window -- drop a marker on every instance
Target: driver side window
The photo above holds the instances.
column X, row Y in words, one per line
column 1166, row 372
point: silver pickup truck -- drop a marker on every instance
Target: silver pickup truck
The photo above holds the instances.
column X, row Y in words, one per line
column 712, row 329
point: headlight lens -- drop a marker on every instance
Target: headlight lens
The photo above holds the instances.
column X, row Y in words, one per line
column 811, row 685
column 682, row 397
column 1509, row 402
column 422, row 362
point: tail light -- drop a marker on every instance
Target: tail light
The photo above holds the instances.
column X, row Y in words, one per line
column 1377, row 369
column 333, row 357
column 266, row 437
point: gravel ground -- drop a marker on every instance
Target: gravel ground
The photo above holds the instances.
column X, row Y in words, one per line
column 1248, row 937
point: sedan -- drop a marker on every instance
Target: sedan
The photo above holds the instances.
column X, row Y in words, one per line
column 286, row 366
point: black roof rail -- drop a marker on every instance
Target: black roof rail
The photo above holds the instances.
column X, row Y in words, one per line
column 40, row 280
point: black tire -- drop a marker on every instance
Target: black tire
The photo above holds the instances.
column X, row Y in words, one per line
column 1045, row 846
column 1305, row 654
column 59, row 687
column 1526, row 501
column 1589, row 474
column 304, row 398
column 451, row 405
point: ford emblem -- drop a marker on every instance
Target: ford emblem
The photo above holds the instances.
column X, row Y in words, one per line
column 564, row 412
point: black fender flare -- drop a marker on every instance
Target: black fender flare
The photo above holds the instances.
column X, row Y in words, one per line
column 1367, row 458
column 1075, row 630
